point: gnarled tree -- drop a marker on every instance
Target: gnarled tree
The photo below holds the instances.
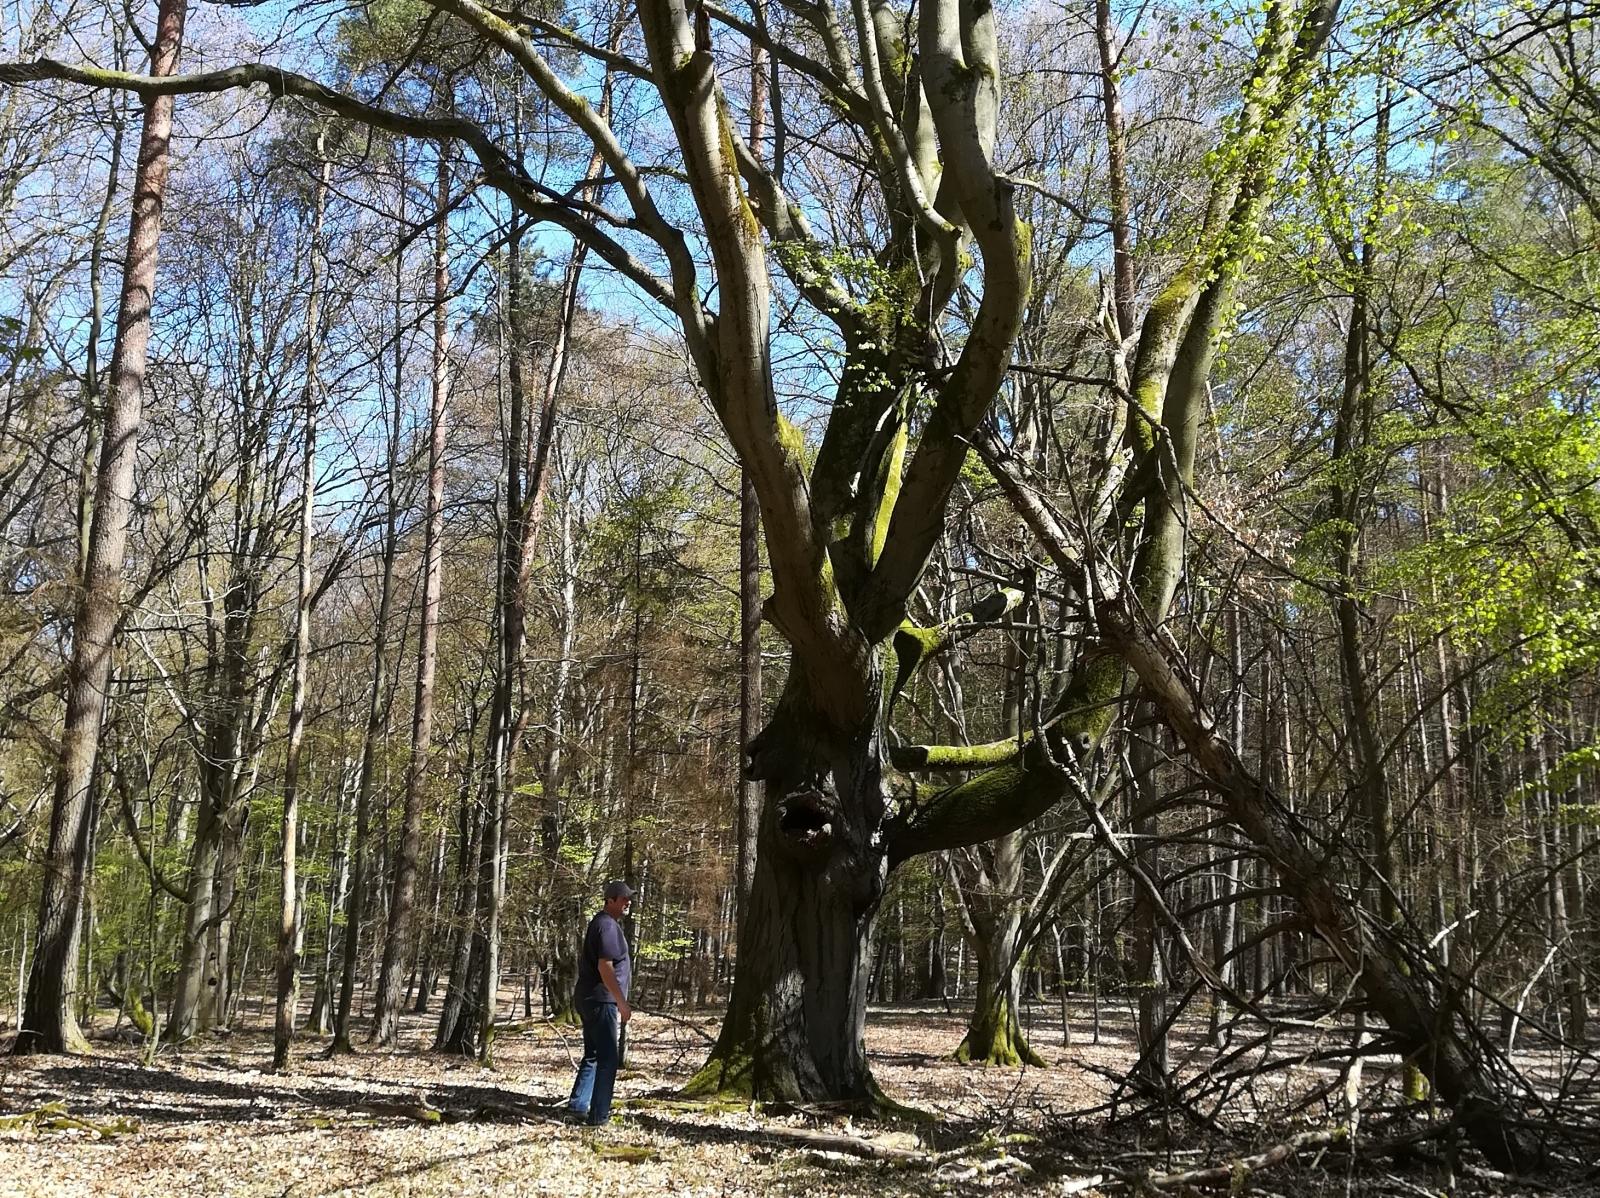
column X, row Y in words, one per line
column 925, row 298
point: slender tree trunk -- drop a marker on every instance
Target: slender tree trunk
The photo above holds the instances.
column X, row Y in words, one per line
column 91, row 372
column 1124, row 285
column 290, row 934
column 992, row 901
column 48, row 1023
column 425, row 972
column 470, row 835
column 355, row 903
column 1225, row 929
column 385, row 1022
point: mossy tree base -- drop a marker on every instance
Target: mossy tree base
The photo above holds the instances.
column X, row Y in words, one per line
column 994, row 1036
column 997, row 1039
column 566, row 1016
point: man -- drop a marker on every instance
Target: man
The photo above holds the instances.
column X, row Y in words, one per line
column 604, row 970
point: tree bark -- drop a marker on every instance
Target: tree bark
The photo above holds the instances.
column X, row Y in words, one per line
column 48, row 1022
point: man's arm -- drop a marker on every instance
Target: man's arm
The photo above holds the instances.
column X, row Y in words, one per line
column 608, row 975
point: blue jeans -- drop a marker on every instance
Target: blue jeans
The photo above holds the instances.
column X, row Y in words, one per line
column 597, row 1072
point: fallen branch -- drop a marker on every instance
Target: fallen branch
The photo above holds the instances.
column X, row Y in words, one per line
column 419, row 1112
column 54, row 1116
column 999, row 1164
column 1235, row 1174
column 827, row 1141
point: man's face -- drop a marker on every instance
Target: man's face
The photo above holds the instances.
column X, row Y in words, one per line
column 618, row 907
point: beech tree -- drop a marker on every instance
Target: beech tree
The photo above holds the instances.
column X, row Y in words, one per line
column 849, row 527
column 923, row 286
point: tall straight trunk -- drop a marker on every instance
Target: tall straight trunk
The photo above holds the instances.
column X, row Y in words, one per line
column 505, row 727
column 748, row 816
column 385, row 1021
column 192, row 1000
column 484, row 965
column 355, row 902
column 91, row 367
column 992, row 905
column 290, row 934
column 936, row 983
column 338, row 879
column 1568, row 974
column 217, row 998
column 48, row 1022
column 86, row 994
column 1124, row 286
column 491, row 898
column 425, row 972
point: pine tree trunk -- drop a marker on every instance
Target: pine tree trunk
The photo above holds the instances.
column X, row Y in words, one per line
column 48, row 1022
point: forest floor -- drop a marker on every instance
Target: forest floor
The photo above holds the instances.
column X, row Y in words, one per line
column 212, row 1119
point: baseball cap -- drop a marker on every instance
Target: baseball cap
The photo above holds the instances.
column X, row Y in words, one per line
column 618, row 889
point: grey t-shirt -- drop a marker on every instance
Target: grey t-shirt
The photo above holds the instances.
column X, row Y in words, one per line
column 603, row 941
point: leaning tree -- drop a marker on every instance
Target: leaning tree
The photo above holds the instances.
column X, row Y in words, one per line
column 923, row 300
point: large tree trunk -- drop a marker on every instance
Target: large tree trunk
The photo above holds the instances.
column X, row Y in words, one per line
column 795, row 1024
column 747, row 815
column 48, row 1022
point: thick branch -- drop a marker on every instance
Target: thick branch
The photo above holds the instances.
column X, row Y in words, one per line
column 961, row 68
column 803, row 605
column 914, row 647
column 920, row 758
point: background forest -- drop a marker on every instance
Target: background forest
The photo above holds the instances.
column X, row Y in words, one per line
column 445, row 556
